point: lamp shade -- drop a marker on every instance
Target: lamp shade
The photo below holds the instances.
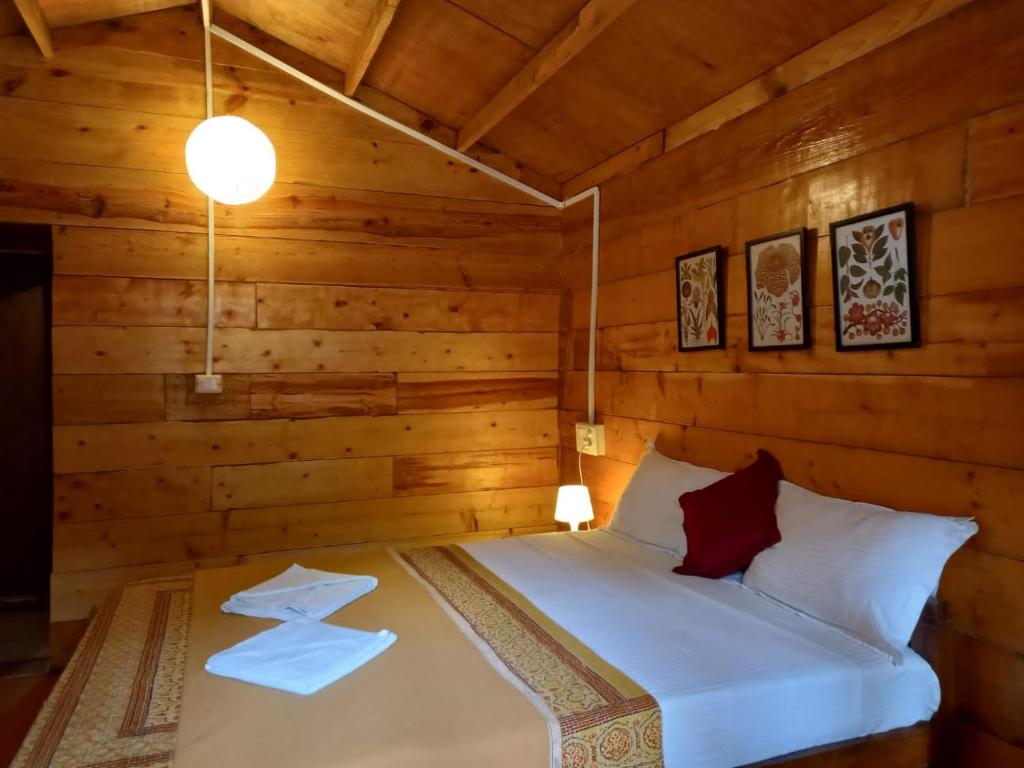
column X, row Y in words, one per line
column 230, row 159
column 573, row 506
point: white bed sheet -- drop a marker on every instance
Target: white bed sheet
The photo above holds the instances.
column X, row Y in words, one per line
column 739, row 678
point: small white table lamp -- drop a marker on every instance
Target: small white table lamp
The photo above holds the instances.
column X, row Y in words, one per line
column 573, row 506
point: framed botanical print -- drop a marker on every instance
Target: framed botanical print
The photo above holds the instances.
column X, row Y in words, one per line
column 699, row 293
column 873, row 280
column 777, row 292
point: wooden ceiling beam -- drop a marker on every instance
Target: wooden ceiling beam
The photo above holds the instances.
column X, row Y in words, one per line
column 591, row 21
column 37, row 24
column 379, row 23
column 870, row 33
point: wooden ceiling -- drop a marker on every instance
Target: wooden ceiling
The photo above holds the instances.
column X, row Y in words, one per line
column 559, row 86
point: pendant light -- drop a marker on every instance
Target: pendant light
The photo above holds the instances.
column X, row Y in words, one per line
column 227, row 157
column 230, row 160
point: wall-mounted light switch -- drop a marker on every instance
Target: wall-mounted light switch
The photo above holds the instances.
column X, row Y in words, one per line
column 590, row 439
column 209, row 384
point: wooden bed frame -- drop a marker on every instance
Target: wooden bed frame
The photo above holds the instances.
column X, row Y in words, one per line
column 913, row 747
column 903, row 748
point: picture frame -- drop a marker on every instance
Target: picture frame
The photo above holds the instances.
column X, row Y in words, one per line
column 778, row 292
column 700, row 300
column 874, row 280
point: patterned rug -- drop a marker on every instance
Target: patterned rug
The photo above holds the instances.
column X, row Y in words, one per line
column 116, row 704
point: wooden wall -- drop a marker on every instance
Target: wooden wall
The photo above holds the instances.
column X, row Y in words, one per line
column 936, row 118
column 388, row 320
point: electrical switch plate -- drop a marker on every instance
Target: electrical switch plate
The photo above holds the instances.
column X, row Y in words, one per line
column 209, row 384
column 590, row 439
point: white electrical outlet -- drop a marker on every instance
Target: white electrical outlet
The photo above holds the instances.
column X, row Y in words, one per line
column 590, row 439
column 209, row 384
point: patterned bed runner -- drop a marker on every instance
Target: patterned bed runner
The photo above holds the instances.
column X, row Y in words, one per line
column 604, row 718
column 116, row 704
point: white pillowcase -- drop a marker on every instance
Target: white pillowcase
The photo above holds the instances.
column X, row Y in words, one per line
column 648, row 510
column 865, row 568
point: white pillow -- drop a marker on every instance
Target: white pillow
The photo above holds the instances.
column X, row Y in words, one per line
column 865, row 568
column 649, row 510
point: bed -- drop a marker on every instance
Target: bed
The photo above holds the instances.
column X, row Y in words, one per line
column 737, row 678
column 714, row 673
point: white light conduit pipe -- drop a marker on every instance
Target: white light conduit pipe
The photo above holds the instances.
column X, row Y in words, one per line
column 211, row 258
column 444, row 149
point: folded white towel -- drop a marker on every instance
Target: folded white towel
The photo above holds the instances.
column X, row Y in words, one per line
column 299, row 656
column 300, row 593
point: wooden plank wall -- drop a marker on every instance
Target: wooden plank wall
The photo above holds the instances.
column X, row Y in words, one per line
column 936, row 118
column 388, row 320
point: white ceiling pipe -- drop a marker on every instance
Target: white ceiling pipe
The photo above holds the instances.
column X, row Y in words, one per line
column 312, row 82
column 595, row 247
column 211, row 263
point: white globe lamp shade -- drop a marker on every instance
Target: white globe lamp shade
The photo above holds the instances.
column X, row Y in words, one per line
column 573, row 506
column 230, row 160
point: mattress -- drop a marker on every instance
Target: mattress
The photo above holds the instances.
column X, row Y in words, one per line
column 739, row 677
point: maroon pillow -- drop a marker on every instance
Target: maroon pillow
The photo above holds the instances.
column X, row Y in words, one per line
column 730, row 521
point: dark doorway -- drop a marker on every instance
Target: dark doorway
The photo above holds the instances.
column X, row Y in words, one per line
column 26, row 470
